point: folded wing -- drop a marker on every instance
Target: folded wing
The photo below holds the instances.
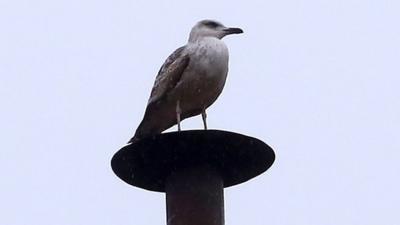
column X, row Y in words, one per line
column 167, row 78
column 169, row 74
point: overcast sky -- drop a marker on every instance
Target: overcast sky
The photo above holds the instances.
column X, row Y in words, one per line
column 316, row 80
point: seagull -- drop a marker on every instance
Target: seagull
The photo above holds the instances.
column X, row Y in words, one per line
column 189, row 81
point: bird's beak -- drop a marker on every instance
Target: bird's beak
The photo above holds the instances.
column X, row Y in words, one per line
column 232, row 30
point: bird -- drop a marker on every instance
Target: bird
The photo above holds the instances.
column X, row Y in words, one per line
column 189, row 81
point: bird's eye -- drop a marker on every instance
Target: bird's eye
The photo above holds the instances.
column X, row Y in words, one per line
column 211, row 24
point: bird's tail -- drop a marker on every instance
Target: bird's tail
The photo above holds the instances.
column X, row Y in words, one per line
column 141, row 132
column 150, row 126
column 133, row 140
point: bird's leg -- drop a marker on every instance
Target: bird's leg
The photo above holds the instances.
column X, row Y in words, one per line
column 204, row 116
column 178, row 115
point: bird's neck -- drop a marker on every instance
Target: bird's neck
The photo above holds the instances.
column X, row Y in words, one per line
column 200, row 39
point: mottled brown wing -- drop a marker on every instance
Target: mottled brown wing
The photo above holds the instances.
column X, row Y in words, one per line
column 169, row 74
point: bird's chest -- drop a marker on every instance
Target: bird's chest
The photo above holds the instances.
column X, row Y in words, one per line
column 209, row 64
column 205, row 76
column 211, row 59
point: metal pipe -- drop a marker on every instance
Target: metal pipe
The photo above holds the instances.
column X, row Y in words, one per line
column 195, row 196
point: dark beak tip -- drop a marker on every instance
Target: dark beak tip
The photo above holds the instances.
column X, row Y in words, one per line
column 239, row 31
column 233, row 30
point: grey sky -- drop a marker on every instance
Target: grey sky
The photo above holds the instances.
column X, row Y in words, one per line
column 317, row 80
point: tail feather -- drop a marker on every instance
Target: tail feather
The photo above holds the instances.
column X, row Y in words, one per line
column 152, row 125
column 133, row 140
column 142, row 131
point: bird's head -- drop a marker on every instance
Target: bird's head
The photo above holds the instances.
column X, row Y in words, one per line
column 211, row 28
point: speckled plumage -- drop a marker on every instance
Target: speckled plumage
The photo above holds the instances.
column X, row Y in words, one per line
column 191, row 79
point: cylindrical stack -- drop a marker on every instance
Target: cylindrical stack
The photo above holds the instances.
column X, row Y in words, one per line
column 192, row 168
column 195, row 197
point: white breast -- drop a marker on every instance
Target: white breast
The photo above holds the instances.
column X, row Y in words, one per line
column 209, row 62
column 211, row 54
column 205, row 76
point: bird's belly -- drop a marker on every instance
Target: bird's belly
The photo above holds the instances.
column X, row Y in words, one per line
column 202, row 84
column 203, row 79
column 202, row 92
